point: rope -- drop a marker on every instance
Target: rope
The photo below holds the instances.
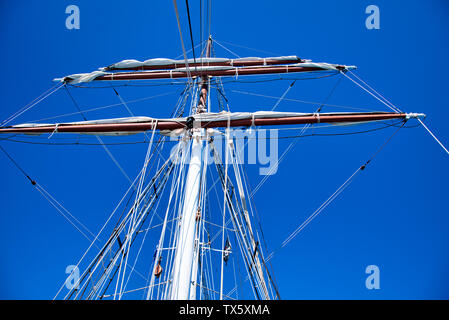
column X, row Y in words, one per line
column 372, row 94
column 191, row 34
column 18, row 166
column 175, row 187
column 231, row 52
column 132, row 225
column 436, row 139
column 227, row 151
column 188, row 51
column 182, row 41
column 381, row 96
column 98, row 235
column 240, row 46
column 283, row 95
column 123, row 102
column 331, row 198
column 58, row 206
column 75, row 103
column 209, row 16
column 103, row 107
column 55, row 204
column 51, row 199
column 32, row 104
column 96, row 136
column 293, row 143
column 301, row 101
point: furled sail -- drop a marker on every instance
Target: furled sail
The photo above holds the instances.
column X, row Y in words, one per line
column 164, row 63
column 131, row 125
column 162, row 68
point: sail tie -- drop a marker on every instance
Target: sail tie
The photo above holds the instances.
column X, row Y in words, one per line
column 54, row 131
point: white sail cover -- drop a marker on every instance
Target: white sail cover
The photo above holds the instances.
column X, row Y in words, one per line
column 130, row 64
column 225, row 116
column 208, row 120
column 202, row 117
column 101, row 121
column 88, row 77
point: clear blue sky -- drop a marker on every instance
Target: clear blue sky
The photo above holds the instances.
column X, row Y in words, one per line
column 394, row 215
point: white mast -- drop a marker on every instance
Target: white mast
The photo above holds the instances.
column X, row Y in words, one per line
column 186, row 257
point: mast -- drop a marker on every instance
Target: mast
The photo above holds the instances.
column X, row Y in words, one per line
column 187, row 244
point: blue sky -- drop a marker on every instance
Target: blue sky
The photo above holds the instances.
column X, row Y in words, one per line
column 394, row 215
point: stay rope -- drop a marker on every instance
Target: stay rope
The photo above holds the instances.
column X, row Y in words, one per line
column 331, row 198
column 40, row 98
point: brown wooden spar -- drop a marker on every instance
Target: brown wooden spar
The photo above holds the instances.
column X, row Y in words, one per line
column 231, row 72
column 135, row 127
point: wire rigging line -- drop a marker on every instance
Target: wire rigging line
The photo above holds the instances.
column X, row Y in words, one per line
column 182, row 41
column 302, row 131
column 225, row 187
column 436, row 139
column 300, row 101
column 60, row 208
column 386, row 102
column 104, row 107
column 132, row 114
column 117, row 164
column 201, row 23
column 32, row 103
column 283, row 95
column 33, row 182
column 106, row 248
column 318, row 211
column 123, row 102
column 248, row 48
column 188, row 51
column 75, row 103
column 101, row 230
column 293, row 143
column 99, row 139
column 332, row 197
column 228, row 50
column 366, row 84
column 191, row 34
column 209, row 16
column 133, row 222
column 372, row 94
